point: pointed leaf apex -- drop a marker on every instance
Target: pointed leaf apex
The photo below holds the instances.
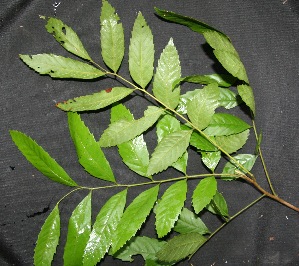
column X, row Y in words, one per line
column 171, row 42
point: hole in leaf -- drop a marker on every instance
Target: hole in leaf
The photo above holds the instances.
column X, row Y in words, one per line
column 63, row 30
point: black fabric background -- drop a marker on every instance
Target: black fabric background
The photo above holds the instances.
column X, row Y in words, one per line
column 266, row 35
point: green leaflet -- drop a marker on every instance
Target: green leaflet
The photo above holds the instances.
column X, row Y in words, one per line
column 179, row 247
column 201, row 143
column 188, row 222
column 103, row 228
column 123, row 130
column 61, row 67
column 226, row 54
column 234, row 142
column 95, row 101
column 218, row 205
column 204, row 193
column 41, row 159
column 145, row 246
column 228, row 99
column 90, row 155
column 134, row 152
column 167, row 72
column 68, row 39
column 191, row 23
column 166, row 125
column 133, row 217
column 47, row 239
column 168, row 151
column 112, row 37
column 141, row 52
column 247, row 160
column 247, row 96
column 202, row 107
column 78, row 232
column 169, row 207
column 222, row 80
column 211, row 159
column 225, row 124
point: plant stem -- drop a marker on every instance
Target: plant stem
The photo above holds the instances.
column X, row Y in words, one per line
column 269, row 195
column 263, row 161
column 229, row 220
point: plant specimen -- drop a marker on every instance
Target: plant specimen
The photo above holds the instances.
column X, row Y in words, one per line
column 182, row 121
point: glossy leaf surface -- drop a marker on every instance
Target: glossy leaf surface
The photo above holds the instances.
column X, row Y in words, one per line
column 204, row 193
column 167, row 72
column 78, row 232
column 218, row 205
column 247, row 160
column 47, row 239
column 228, row 99
column 201, row 143
column 145, row 246
column 188, row 222
column 169, row 207
column 61, row 67
column 225, row 124
column 95, row 101
column 246, row 94
column 112, row 37
column 67, row 37
column 134, row 152
column 168, row 151
column 179, row 247
column 202, row 107
column 141, row 52
column 103, row 229
column 123, row 130
column 90, row 155
column 191, row 23
column 211, row 159
column 234, row 142
column 134, row 216
column 221, row 80
column 41, row 159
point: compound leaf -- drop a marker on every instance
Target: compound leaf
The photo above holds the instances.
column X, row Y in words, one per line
column 202, row 107
column 133, row 217
column 141, row 52
column 179, row 247
column 95, row 101
column 41, row 159
column 145, row 246
column 134, row 152
column 204, row 193
column 89, row 152
column 169, row 150
column 225, row 124
column 247, row 96
column 78, row 232
column 123, row 130
column 47, row 239
column 61, row 67
column 103, row 228
column 188, row 222
column 169, row 207
column 247, row 160
column 112, row 37
column 68, row 39
column 167, row 72
column 234, row 142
